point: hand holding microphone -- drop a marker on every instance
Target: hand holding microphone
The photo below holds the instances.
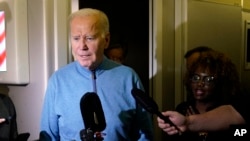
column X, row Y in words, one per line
column 150, row 105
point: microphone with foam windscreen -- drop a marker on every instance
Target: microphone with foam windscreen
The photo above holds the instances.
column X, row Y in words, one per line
column 150, row 105
column 93, row 116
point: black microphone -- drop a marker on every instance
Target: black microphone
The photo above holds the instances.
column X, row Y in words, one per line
column 92, row 114
column 150, row 105
column 44, row 136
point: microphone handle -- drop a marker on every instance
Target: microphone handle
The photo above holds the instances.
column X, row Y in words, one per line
column 87, row 135
column 165, row 118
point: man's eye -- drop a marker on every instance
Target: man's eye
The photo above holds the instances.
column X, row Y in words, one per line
column 89, row 38
column 76, row 38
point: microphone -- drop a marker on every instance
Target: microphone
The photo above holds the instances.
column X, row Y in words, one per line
column 92, row 115
column 150, row 105
column 44, row 136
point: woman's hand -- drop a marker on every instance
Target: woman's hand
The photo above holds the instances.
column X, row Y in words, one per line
column 178, row 119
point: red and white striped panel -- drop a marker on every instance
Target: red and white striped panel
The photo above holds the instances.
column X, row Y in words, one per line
column 3, row 66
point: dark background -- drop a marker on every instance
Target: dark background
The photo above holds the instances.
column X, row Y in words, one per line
column 248, row 46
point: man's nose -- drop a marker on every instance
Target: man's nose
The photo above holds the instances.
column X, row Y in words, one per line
column 83, row 43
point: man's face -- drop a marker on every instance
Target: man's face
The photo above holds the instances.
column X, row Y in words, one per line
column 87, row 41
column 116, row 54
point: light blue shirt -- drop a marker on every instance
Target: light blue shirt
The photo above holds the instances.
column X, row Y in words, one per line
column 61, row 114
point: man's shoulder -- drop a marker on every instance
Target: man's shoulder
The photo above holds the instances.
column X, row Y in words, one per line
column 67, row 67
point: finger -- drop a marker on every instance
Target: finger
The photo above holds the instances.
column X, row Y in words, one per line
column 161, row 121
column 163, row 125
column 170, row 130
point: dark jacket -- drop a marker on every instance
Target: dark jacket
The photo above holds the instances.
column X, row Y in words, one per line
column 8, row 129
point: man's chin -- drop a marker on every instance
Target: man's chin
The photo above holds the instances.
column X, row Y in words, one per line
column 87, row 65
column 84, row 64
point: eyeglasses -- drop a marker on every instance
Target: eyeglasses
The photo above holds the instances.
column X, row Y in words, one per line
column 207, row 80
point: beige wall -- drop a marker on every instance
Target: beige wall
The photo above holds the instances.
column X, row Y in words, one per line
column 217, row 26
column 48, row 44
column 162, row 68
